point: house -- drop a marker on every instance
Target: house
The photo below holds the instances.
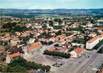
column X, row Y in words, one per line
column 89, row 25
column 26, row 33
column 17, row 33
column 28, row 25
column 92, row 42
column 99, row 24
column 31, row 40
column 77, row 52
column 61, row 38
column 37, row 26
column 10, row 57
column 51, row 49
column 75, row 25
column 2, row 49
column 52, row 39
column 34, row 46
column 58, row 49
column 78, row 44
column 56, row 24
column 14, row 41
column 92, row 35
column 14, row 55
column 2, row 53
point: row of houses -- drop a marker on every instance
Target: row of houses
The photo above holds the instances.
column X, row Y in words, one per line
column 28, row 51
column 95, row 40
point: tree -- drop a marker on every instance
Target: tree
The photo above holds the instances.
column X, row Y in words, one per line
column 18, row 61
column 17, row 68
column 59, row 32
column 46, row 68
column 59, row 54
column 21, row 65
column 3, row 68
column 51, row 23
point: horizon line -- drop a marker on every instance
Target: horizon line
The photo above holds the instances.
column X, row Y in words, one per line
column 48, row 8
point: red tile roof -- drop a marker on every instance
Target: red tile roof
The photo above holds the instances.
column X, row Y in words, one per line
column 35, row 45
column 79, row 50
column 15, row 55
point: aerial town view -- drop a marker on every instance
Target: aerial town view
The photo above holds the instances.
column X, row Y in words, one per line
column 51, row 36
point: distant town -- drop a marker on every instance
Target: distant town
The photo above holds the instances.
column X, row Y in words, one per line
column 52, row 41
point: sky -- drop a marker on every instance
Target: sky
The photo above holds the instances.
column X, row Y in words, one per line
column 51, row 4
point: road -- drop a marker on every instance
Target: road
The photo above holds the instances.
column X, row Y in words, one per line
column 82, row 64
column 91, row 59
